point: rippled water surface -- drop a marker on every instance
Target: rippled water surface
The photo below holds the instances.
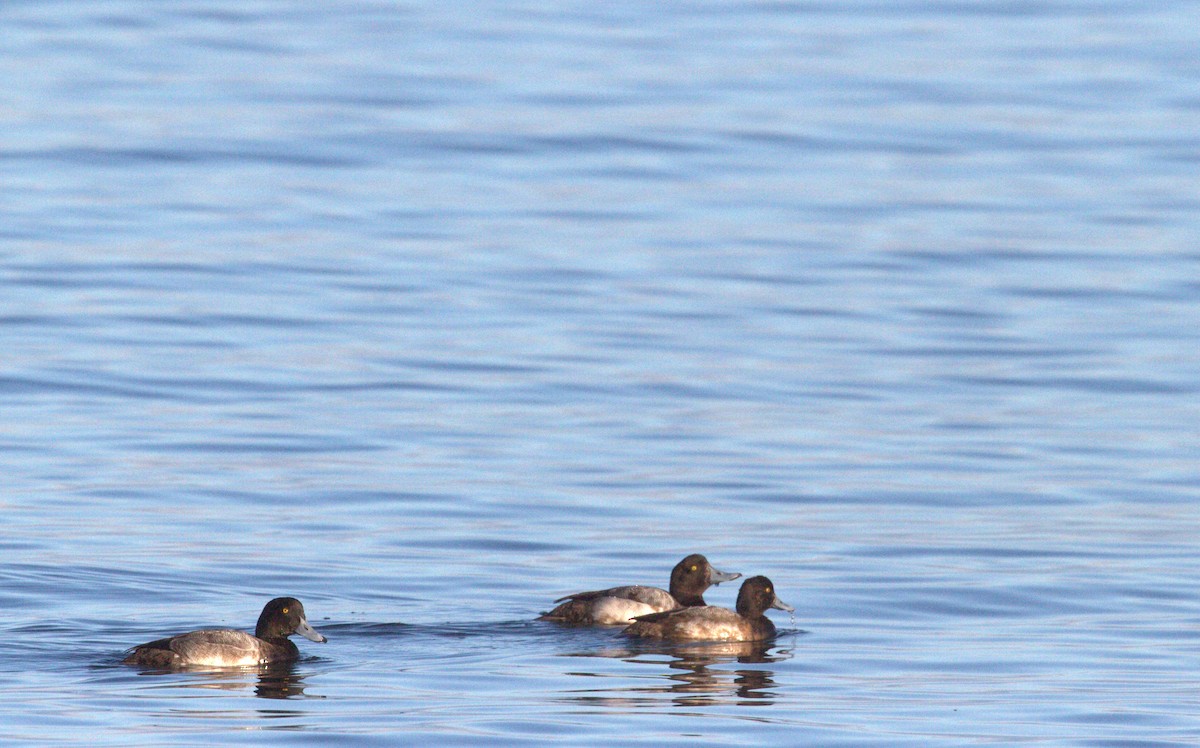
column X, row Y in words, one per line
column 429, row 315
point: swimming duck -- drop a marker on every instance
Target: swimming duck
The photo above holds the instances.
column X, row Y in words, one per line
column 717, row 624
column 619, row 605
column 280, row 618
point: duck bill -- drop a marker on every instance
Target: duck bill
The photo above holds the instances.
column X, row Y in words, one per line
column 308, row 632
column 724, row 576
column 778, row 604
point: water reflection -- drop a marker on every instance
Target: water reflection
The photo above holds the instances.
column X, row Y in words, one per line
column 279, row 681
column 695, row 675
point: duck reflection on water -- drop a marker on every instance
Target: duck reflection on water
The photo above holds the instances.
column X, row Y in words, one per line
column 276, row 681
column 280, row 682
column 695, row 674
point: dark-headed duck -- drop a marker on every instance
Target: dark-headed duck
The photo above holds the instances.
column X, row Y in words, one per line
column 619, row 605
column 747, row 624
column 281, row 618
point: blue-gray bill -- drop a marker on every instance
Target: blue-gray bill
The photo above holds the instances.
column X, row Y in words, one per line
column 308, row 632
column 724, row 576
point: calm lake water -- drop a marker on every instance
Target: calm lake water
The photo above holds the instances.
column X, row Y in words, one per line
column 428, row 315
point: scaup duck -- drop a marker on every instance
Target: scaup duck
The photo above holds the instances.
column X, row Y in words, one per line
column 747, row 624
column 619, row 605
column 280, row 618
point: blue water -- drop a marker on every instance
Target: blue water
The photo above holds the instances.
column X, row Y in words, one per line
column 429, row 315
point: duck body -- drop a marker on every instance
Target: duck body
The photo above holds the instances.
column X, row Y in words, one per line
column 616, row 605
column 702, row 624
column 619, row 605
column 212, row 648
column 217, row 648
column 746, row 624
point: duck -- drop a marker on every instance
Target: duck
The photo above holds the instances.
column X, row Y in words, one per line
column 620, row 605
column 747, row 624
column 215, row 648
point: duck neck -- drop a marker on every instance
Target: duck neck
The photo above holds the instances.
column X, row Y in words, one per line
column 282, row 643
column 690, row 599
column 750, row 611
column 276, row 639
column 269, row 633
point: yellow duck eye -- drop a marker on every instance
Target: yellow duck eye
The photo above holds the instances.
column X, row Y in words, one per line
column 694, row 567
column 285, row 611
